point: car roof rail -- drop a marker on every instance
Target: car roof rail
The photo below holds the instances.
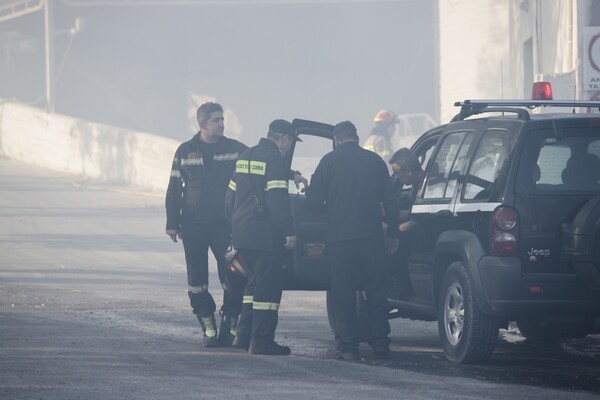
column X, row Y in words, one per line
column 474, row 107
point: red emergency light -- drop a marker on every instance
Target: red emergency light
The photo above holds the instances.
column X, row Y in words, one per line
column 541, row 91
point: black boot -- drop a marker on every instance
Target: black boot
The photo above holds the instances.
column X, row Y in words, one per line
column 244, row 327
column 268, row 348
column 227, row 330
column 241, row 342
column 209, row 329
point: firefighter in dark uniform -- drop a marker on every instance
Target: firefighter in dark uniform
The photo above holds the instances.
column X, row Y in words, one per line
column 258, row 203
column 350, row 185
column 194, row 201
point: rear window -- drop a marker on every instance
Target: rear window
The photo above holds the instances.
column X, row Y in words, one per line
column 570, row 163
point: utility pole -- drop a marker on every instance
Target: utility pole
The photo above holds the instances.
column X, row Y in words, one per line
column 49, row 53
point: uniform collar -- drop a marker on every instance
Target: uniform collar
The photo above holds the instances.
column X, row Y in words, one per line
column 267, row 142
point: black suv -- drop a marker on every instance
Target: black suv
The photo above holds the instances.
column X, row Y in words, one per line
column 507, row 218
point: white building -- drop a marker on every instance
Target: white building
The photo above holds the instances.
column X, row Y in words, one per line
column 490, row 49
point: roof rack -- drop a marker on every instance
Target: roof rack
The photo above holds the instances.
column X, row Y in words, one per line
column 531, row 103
column 473, row 107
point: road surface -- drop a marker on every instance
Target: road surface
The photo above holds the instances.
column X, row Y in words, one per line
column 93, row 306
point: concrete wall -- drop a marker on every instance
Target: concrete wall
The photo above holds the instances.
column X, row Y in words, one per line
column 85, row 148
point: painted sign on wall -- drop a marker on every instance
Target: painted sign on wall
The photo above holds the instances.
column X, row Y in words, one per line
column 591, row 58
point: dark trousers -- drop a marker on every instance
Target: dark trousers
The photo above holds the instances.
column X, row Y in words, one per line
column 197, row 239
column 359, row 265
column 264, row 287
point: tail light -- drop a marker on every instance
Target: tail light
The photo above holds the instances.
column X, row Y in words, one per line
column 504, row 232
column 541, row 91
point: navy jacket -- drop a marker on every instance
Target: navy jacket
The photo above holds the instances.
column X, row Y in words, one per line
column 260, row 181
column 351, row 185
column 199, row 177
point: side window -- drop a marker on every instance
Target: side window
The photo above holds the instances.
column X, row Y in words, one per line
column 489, row 160
column 441, row 180
column 424, row 152
column 567, row 163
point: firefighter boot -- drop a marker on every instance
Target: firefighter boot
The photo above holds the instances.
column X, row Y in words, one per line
column 244, row 326
column 227, row 330
column 209, row 329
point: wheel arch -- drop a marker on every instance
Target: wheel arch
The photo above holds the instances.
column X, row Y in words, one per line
column 464, row 246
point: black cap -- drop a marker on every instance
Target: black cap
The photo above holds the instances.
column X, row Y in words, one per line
column 344, row 127
column 283, row 127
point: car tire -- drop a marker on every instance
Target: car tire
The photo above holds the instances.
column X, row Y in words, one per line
column 361, row 313
column 467, row 334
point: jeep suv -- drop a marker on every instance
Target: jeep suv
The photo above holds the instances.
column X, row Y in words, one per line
column 507, row 219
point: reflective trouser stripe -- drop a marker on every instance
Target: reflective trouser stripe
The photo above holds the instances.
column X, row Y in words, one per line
column 248, row 300
column 198, row 289
column 259, row 305
column 276, row 185
column 232, row 185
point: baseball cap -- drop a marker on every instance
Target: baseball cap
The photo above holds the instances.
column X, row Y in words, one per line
column 283, row 127
column 344, row 127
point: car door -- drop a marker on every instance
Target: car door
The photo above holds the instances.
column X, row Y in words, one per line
column 307, row 266
column 433, row 208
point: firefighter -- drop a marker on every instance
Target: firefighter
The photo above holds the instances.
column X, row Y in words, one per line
column 380, row 139
column 258, row 204
column 350, row 185
column 200, row 173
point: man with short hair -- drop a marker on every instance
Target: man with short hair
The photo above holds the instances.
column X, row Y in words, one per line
column 406, row 178
column 194, row 201
column 257, row 202
column 350, row 185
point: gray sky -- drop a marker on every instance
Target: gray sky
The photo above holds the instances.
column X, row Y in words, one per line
column 137, row 66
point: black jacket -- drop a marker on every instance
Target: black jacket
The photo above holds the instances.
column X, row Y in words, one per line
column 350, row 184
column 199, row 178
column 261, row 177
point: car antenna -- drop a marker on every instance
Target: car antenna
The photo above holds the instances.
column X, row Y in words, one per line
column 557, row 130
column 574, row 96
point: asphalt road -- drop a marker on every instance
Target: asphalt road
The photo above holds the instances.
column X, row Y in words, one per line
column 93, row 306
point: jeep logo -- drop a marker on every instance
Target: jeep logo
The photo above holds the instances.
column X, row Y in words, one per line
column 538, row 252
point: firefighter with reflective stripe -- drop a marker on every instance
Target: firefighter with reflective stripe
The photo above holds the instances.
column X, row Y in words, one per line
column 258, row 203
column 350, row 185
column 201, row 170
column 379, row 141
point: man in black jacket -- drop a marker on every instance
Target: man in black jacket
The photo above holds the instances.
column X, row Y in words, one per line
column 350, row 185
column 258, row 204
column 194, row 201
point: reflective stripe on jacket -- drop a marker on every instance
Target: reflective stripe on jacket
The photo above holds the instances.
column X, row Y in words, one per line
column 380, row 145
column 200, row 174
column 260, row 182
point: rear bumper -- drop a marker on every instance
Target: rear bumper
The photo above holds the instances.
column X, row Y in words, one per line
column 509, row 292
